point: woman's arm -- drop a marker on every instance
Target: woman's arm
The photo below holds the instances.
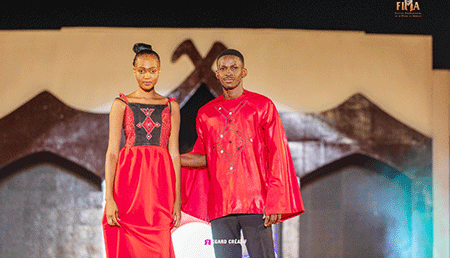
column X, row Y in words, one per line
column 112, row 153
column 175, row 154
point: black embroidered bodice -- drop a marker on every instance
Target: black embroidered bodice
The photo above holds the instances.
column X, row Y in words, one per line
column 146, row 124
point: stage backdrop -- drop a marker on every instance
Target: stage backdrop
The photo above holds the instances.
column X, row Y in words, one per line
column 325, row 83
column 300, row 70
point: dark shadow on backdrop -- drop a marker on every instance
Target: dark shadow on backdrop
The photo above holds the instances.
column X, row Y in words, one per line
column 188, row 133
column 48, row 157
column 353, row 159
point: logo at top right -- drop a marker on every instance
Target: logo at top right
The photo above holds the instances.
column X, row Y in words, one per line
column 408, row 8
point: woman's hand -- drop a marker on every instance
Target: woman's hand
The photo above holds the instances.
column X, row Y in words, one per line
column 177, row 213
column 112, row 213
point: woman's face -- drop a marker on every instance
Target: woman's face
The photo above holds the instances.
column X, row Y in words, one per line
column 146, row 69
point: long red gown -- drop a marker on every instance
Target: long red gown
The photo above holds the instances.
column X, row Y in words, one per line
column 144, row 185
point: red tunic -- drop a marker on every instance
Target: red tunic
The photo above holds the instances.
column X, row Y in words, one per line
column 250, row 167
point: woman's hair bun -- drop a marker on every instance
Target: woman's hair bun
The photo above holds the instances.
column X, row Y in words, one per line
column 139, row 47
column 143, row 49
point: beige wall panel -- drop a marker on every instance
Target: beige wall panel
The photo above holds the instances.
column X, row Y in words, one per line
column 300, row 70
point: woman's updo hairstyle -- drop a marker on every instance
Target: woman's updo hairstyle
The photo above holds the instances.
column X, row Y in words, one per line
column 143, row 49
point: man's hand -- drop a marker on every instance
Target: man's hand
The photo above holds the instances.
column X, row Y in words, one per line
column 271, row 219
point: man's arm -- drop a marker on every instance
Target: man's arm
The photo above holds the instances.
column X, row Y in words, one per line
column 193, row 160
column 283, row 192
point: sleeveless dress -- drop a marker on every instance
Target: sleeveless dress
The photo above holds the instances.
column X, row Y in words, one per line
column 144, row 185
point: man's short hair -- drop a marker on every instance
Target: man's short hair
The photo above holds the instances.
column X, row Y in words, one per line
column 231, row 52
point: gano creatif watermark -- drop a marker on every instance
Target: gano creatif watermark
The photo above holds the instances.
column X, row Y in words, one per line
column 225, row 241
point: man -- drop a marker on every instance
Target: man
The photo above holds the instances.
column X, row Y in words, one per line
column 250, row 182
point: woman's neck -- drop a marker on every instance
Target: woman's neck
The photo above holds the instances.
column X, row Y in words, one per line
column 146, row 94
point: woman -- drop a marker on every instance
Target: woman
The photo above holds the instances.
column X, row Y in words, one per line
column 143, row 199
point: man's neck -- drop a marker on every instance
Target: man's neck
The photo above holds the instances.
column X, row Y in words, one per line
column 234, row 93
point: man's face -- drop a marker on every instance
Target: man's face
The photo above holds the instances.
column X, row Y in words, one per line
column 230, row 72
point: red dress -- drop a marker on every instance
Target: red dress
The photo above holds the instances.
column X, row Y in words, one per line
column 144, row 185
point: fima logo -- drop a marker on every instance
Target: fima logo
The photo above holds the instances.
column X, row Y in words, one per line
column 408, row 8
column 408, row 5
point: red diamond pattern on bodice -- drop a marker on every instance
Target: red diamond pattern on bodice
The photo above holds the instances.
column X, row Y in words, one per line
column 148, row 124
